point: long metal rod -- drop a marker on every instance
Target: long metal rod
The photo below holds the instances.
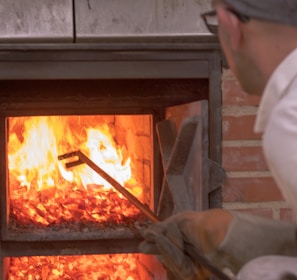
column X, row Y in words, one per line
column 82, row 158
column 190, row 250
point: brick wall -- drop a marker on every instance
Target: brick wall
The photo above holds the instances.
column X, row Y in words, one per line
column 249, row 186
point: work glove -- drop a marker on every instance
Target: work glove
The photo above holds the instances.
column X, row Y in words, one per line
column 227, row 239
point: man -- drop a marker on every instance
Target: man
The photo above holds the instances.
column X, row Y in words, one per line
column 259, row 39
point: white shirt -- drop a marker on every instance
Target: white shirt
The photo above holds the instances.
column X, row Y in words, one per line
column 277, row 120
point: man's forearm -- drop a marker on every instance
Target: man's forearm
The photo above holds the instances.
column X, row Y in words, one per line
column 249, row 237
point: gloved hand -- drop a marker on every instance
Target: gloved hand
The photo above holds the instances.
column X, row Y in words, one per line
column 227, row 239
column 204, row 230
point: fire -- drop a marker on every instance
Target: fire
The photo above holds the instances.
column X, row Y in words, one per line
column 75, row 267
column 44, row 193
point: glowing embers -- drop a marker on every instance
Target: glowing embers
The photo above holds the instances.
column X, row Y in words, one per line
column 91, row 267
column 43, row 193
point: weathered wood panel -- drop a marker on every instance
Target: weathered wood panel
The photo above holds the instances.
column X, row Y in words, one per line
column 36, row 21
column 101, row 19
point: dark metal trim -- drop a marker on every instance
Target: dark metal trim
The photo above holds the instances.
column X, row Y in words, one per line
column 169, row 42
column 115, row 58
column 75, row 247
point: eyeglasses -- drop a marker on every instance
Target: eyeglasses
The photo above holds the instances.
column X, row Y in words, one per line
column 211, row 20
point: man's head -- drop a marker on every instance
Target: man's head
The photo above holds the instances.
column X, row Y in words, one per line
column 256, row 35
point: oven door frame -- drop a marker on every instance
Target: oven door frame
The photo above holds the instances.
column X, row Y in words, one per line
column 182, row 57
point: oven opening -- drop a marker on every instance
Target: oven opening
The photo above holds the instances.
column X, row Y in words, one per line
column 49, row 201
column 146, row 132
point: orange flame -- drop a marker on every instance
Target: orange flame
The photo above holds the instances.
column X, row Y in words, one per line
column 44, row 192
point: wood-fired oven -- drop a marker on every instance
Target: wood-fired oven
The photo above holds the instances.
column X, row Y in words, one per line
column 116, row 102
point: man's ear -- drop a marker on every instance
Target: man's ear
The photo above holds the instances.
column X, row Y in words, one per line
column 231, row 24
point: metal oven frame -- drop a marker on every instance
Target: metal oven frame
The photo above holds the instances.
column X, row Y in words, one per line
column 181, row 62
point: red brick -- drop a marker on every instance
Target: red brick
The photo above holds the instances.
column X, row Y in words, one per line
column 262, row 189
column 234, row 95
column 262, row 212
column 243, row 159
column 286, row 214
column 239, row 128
